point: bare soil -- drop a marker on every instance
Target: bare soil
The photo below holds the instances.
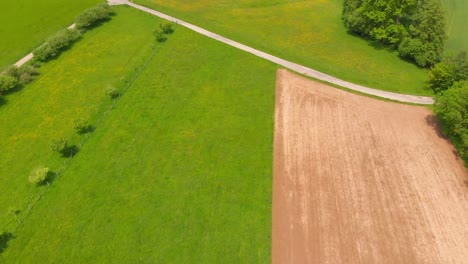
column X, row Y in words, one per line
column 359, row 180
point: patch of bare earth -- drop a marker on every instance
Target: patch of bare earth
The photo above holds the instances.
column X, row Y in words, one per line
column 358, row 180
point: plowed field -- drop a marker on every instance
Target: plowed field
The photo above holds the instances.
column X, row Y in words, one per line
column 358, row 180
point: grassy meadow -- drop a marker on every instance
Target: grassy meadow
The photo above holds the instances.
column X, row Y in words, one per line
column 307, row 32
column 26, row 23
column 68, row 88
column 178, row 172
column 457, row 23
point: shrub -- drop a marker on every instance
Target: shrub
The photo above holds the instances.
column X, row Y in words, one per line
column 92, row 16
column 56, row 44
column 81, row 126
column 39, row 175
column 159, row 35
column 166, row 28
column 7, row 83
column 60, row 145
column 112, row 92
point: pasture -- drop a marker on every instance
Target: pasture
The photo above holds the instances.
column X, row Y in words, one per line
column 359, row 180
column 306, row 32
column 26, row 23
column 457, row 24
column 68, row 88
column 178, row 172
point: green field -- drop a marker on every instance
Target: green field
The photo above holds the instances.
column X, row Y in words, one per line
column 457, row 14
column 178, row 172
column 26, row 23
column 306, row 32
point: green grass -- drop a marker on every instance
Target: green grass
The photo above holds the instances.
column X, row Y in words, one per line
column 68, row 88
column 457, row 13
column 306, row 32
column 179, row 171
column 26, row 23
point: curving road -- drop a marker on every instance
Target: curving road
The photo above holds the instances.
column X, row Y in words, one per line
column 287, row 64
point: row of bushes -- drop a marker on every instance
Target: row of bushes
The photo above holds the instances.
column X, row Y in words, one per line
column 66, row 37
column 52, row 47
column 12, row 76
column 56, row 43
column 93, row 16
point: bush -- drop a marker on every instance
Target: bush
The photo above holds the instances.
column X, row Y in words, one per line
column 60, row 145
column 56, row 44
column 81, row 126
column 160, row 36
column 166, row 28
column 92, row 16
column 112, row 92
column 7, row 83
column 39, row 175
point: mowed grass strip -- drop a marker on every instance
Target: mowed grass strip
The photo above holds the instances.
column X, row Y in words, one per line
column 27, row 23
column 306, row 32
column 180, row 172
column 71, row 87
column 457, row 25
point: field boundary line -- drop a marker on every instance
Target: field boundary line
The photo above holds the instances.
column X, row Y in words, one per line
column 309, row 72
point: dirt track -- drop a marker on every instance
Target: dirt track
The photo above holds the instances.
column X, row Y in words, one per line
column 358, row 180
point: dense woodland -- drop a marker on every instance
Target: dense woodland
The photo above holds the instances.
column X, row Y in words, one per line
column 416, row 28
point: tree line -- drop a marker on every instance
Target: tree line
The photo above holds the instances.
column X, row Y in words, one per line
column 416, row 28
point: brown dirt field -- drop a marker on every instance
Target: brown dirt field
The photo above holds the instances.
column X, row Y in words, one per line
column 359, row 180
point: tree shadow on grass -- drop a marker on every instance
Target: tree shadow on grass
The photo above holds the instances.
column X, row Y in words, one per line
column 69, row 151
column 4, row 239
column 87, row 129
column 3, row 101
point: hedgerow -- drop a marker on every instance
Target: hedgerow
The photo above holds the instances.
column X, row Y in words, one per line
column 56, row 44
column 93, row 16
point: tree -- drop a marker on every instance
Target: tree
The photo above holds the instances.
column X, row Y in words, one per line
column 7, row 83
column 112, row 92
column 416, row 28
column 166, row 28
column 452, row 110
column 60, row 145
column 39, row 175
column 159, row 35
column 81, row 126
column 450, row 70
column 426, row 34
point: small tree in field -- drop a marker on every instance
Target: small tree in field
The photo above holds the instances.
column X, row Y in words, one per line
column 166, row 28
column 59, row 145
column 39, row 175
column 112, row 92
column 7, row 83
column 159, row 35
column 81, row 126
